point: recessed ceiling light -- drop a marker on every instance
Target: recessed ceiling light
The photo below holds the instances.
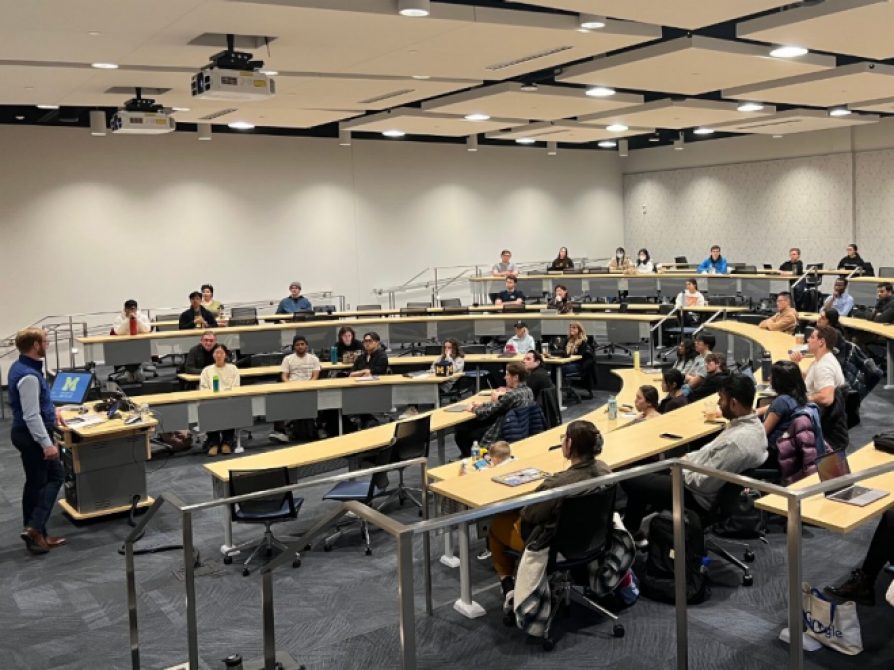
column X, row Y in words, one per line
column 525, row 140
column 750, row 107
column 600, row 92
column 19, row 117
column 104, row 66
column 655, row 138
column 269, row 73
column 179, row 109
column 393, row 133
column 477, row 117
column 608, row 144
column 528, row 88
column 788, row 52
column 413, row 8
column 617, row 128
column 421, row 77
column 240, row 125
column 777, row 137
column 839, row 111
column 703, row 131
column 590, row 22
column 48, row 106
column 94, row 33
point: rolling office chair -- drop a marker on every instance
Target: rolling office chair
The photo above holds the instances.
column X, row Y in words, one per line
column 411, row 440
column 362, row 490
column 451, row 302
column 322, row 312
column 584, row 535
column 267, row 510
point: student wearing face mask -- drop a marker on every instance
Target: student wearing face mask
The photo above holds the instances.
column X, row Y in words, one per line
column 621, row 262
column 644, row 263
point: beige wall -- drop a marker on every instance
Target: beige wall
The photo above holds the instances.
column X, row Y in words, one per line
column 154, row 217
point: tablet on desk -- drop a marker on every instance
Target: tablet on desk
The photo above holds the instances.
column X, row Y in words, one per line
column 456, row 408
column 519, row 477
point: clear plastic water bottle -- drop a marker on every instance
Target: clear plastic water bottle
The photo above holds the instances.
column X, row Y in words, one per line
column 612, row 408
column 476, row 451
column 544, row 347
column 333, row 354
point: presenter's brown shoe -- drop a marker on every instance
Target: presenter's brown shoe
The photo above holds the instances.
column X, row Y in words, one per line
column 35, row 542
column 54, row 541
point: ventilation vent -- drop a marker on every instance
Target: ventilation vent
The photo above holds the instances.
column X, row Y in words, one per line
column 147, row 91
column 528, row 59
column 768, row 124
column 218, row 114
column 386, row 96
column 241, row 41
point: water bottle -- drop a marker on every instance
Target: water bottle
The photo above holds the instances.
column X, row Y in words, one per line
column 463, row 466
column 544, row 347
column 215, row 383
column 766, row 366
column 612, row 408
column 636, row 359
column 333, row 354
column 476, row 451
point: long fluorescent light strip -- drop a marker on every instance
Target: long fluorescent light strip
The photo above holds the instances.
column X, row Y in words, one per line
column 386, row 96
column 527, row 59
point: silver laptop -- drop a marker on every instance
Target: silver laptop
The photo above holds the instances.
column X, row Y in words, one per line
column 834, row 464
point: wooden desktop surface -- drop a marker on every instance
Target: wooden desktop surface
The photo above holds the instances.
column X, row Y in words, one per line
column 885, row 330
column 839, row 516
column 107, row 428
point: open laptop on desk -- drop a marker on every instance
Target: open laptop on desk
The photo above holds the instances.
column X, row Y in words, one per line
column 834, row 464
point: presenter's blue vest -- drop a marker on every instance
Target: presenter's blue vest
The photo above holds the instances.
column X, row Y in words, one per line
column 22, row 368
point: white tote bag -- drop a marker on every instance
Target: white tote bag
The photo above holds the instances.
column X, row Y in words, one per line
column 889, row 596
column 834, row 625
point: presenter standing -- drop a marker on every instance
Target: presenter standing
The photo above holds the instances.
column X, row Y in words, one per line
column 33, row 418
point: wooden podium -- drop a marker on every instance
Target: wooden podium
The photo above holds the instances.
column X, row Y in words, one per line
column 105, row 465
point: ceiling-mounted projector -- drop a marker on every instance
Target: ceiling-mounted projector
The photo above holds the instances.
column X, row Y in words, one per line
column 232, row 75
column 142, row 116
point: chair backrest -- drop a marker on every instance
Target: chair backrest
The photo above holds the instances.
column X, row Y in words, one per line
column 167, row 317
column 246, row 316
column 324, row 308
column 455, row 309
column 513, row 307
column 368, row 308
column 475, row 348
column 451, row 302
column 585, row 523
column 886, row 271
column 432, row 350
column 250, row 481
column 411, row 439
column 414, row 311
column 423, row 305
column 681, row 260
column 306, row 315
column 264, row 360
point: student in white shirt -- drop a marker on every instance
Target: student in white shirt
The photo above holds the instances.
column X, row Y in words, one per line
column 300, row 366
column 228, row 378
column 521, row 342
column 644, row 264
column 825, row 375
column 131, row 321
column 691, row 297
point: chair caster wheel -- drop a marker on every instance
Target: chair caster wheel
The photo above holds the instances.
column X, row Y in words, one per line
column 509, row 619
column 747, row 580
column 547, row 644
column 228, row 560
column 420, row 514
column 618, row 630
column 296, row 563
column 306, row 547
column 368, row 552
column 748, row 557
column 269, row 552
column 246, row 572
column 327, row 547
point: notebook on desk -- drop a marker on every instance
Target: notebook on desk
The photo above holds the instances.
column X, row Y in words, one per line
column 520, row 477
column 833, row 465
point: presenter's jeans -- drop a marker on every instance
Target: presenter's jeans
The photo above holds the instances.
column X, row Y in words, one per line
column 43, row 479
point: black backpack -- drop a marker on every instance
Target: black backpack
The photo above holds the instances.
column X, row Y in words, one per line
column 656, row 574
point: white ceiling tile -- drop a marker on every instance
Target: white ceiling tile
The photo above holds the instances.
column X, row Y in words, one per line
column 417, row 122
column 796, row 121
column 565, row 131
column 676, row 114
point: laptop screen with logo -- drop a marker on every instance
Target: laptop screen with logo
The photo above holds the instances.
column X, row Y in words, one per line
column 70, row 388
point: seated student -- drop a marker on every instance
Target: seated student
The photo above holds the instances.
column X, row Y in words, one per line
column 785, row 319
column 860, row 587
column 620, row 262
column 852, row 261
column 131, row 321
column 347, row 347
column 824, row 375
column 294, row 302
column 581, row 444
column 485, row 427
column 208, row 301
column 840, row 300
column 510, row 294
column 452, row 354
column 828, row 316
column 686, row 357
column 644, row 264
column 538, row 378
column 196, row 316
column 299, row 366
column 715, row 264
column 741, row 445
column 373, row 360
column 691, row 296
column 791, row 394
column 672, row 384
column 560, row 301
column 562, row 260
column 200, row 356
column 521, row 342
column 505, row 267
column 646, row 403
column 704, row 344
column 716, row 373
column 227, row 376
column 883, row 312
column 794, row 265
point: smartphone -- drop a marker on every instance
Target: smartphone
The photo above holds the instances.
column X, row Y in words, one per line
column 481, row 464
column 671, row 436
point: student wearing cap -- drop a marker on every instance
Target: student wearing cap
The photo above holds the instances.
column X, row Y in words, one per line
column 294, row 302
column 521, row 342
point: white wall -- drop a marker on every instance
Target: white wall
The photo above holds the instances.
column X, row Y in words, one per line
column 757, row 196
column 110, row 218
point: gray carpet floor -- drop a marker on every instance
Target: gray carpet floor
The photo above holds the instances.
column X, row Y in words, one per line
column 68, row 610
